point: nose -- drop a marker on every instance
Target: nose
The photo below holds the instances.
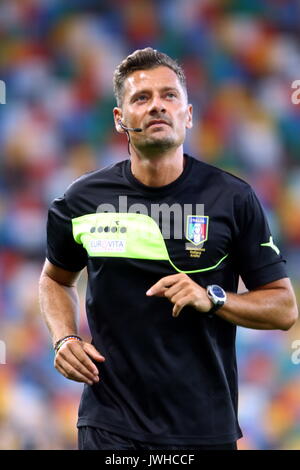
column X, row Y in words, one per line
column 157, row 105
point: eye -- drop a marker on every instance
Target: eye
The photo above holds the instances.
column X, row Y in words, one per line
column 171, row 95
column 141, row 98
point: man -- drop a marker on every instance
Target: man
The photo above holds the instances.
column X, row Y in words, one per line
column 162, row 305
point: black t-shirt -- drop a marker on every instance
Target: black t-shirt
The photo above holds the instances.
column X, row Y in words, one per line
column 165, row 379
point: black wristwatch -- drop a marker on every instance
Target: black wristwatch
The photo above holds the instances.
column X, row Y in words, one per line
column 217, row 295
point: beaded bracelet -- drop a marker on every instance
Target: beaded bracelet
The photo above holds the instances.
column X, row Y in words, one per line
column 63, row 340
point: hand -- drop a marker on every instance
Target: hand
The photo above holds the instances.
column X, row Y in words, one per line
column 181, row 290
column 73, row 361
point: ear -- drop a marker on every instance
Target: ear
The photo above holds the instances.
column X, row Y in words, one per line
column 189, row 117
column 118, row 117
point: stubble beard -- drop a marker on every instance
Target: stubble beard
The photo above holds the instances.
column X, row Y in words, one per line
column 154, row 145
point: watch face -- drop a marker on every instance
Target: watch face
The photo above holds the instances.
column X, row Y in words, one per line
column 217, row 291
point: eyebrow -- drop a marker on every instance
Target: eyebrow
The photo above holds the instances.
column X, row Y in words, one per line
column 147, row 90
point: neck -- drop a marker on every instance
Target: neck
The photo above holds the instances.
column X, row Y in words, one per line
column 158, row 170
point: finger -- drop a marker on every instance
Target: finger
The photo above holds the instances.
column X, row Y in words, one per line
column 158, row 292
column 165, row 282
column 180, row 288
column 178, row 297
column 79, row 367
column 92, row 352
column 70, row 373
column 74, row 353
column 84, row 351
column 178, row 306
column 63, row 371
column 159, row 288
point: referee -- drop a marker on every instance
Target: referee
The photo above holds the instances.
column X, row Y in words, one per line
column 164, row 238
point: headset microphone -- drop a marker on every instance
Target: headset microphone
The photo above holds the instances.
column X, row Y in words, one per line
column 133, row 129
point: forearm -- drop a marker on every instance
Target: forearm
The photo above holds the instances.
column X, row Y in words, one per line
column 59, row 307
column 268, row 308
column 271, row 306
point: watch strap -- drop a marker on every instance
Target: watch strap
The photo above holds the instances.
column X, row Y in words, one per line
column 214, row 308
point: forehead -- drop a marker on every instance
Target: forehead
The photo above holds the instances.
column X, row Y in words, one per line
column 152, row 79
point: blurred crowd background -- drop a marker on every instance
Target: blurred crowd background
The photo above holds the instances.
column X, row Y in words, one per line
column 57, row 59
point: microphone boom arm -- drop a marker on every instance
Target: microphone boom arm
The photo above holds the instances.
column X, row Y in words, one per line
column 132, row 129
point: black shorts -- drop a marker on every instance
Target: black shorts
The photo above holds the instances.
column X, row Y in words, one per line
column 90, row 438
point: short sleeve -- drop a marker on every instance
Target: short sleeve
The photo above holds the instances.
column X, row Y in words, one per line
column 62, row 250
column 258, row 258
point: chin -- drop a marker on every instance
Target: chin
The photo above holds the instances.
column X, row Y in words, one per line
column 159, row 142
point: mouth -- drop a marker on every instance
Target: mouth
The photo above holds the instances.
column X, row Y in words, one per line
column 157, row 122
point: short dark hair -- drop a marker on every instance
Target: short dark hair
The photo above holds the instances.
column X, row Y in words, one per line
column 143, row 59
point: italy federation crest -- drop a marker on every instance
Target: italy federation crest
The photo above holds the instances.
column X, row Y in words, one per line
column 197, row 228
